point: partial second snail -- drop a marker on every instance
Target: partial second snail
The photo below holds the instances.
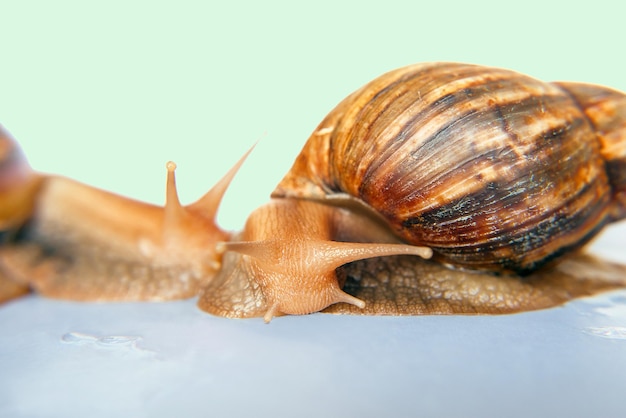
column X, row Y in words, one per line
column 437, row 188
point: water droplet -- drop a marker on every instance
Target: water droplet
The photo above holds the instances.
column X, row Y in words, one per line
column 124, row 342
column 78, row 338
column 612, row 332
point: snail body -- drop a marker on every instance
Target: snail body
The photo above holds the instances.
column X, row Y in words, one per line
column 492, row 173
column 289, row 251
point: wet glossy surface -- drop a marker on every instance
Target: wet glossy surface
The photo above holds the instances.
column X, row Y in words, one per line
column 165, row 359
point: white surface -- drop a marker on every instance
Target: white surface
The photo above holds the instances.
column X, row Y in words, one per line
column 62, row 359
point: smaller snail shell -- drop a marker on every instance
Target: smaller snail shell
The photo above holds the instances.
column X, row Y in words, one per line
column 18, row 189
column 492, row 169
column 18, row 184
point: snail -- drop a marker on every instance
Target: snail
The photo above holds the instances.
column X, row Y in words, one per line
column 448, row 188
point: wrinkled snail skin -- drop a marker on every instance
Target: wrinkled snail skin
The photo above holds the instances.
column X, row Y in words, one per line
column 290, row 249
column 492, row 169
column 494, row 174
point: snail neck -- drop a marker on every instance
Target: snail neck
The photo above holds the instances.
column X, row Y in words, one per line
column 291, row 251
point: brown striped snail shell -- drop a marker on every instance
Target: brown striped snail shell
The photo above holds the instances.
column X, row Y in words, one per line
column 492, row 169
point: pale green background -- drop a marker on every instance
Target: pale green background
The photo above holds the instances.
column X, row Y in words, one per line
column 108, row 93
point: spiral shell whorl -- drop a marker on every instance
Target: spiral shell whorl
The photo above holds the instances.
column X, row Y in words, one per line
column 13, row 165
column 492, row 169
column 605, row 109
